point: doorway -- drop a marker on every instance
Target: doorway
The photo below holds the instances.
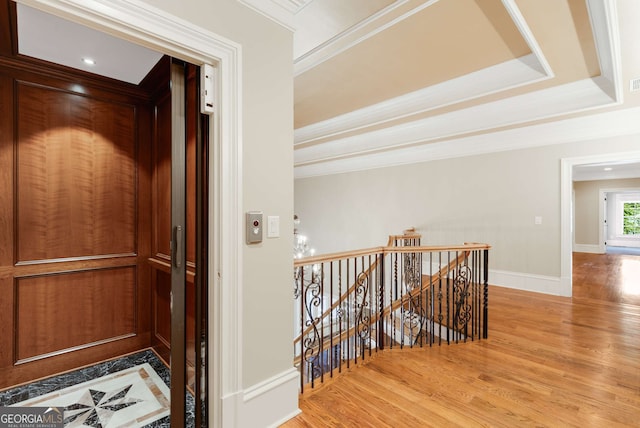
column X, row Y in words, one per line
column 78, row 170
column 567, row 209
column 620, row 228
column 142, row 24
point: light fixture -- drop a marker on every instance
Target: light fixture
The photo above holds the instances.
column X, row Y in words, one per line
column 608, row 169
column 301, row 248
column 89, row 61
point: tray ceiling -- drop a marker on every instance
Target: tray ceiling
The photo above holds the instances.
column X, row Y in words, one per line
column 419, row 80
column 387, row 82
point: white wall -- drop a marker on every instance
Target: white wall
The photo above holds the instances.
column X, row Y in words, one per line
column 491, row 198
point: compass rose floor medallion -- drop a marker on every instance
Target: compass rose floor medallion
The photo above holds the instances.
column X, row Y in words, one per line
column 134, row 397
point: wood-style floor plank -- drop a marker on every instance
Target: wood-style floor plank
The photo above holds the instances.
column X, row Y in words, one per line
column 549, row 361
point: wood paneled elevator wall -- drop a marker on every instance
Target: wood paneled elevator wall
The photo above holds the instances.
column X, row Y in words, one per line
column 84, row 206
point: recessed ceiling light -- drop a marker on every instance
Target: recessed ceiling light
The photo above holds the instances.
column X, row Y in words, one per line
column 89, row 61
column 608, row 169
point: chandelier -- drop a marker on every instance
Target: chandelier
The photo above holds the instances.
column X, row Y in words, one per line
column 301, row 248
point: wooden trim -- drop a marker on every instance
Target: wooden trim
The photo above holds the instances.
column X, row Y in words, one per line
column 165, row 266
column 7, row 27
column 73, row 259
column 385, row 250
column 75, row 348
column 31, row 270
column 407, row 234
column 7, row 153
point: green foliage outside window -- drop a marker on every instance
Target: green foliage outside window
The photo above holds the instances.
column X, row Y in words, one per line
column 631, row 218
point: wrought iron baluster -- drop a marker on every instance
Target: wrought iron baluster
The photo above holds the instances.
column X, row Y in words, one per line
column 298, row 295
column 348, row 311
column 361, row 306
column 485, row 303
column 392, row 297
column 462, row 308
column 331, row 321
column 312, row 343
column 440, row 295
column 450, row 276
column 371, row 306
column 340, row 315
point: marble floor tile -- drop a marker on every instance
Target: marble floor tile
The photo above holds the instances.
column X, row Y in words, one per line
column 132, row 391
column 132, row 397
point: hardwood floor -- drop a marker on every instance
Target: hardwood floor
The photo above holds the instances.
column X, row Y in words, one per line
column 609, row 277
column 549, row 361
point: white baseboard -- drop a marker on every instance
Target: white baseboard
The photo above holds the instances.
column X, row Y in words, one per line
column 228, row 411
column 623, row 243
column 271, row 402
column 587, row 248
column 527, row 282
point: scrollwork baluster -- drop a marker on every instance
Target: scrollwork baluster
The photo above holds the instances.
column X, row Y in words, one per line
column 361, row 304
column 462, row 313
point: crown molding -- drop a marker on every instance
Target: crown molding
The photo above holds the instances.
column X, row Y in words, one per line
column 279, row 11
column 357, row 34
column 556, row 101
column 606, row 32
column 491, row 80
column 583, row 128
column 527, row 35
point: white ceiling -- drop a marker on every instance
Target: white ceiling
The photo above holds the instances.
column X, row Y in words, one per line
column 388, row 82
column 53, row 39
column 606, row 171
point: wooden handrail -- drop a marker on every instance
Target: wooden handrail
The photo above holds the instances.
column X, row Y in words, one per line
column 407, row 234
column 385, row 250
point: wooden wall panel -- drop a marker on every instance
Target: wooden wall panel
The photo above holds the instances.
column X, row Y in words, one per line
column 6, row 174
column 6, row 220
column 162, row 179
column 75, row 219
column 59, row 312
column 76, row 177
column 191, row 129
column 162, row 310
column 7, row 26
column 6, row 321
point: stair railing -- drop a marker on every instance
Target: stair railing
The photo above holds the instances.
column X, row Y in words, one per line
column 353, row 304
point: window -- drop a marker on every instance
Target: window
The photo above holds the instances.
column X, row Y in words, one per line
column 631, row 218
